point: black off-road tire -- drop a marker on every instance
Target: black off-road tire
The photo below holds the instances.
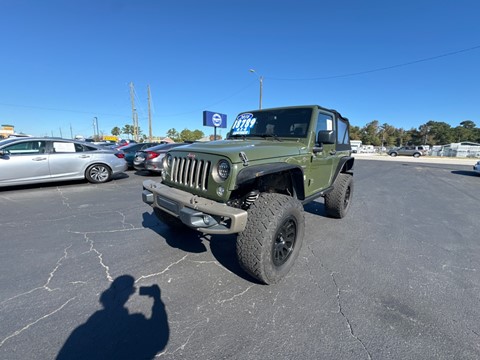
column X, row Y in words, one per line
column 98, row 173
column 169, row 220
column 337, row 201
column 273, row 237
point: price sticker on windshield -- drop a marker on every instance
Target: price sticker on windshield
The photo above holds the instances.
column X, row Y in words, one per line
column 243, row 124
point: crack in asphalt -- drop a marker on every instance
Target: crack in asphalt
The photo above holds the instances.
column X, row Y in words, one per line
column 26, row 327
column 347, row 320
column 339, row 303
column 64, row 198
column 99, row 255
column 234, row 296
column 161, row 272
column 47, row 283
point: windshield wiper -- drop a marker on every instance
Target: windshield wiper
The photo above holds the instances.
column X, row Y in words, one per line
column 243, row 136
column 275, row 136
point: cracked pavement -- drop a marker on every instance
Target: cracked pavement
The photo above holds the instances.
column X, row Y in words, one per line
column 396, row 279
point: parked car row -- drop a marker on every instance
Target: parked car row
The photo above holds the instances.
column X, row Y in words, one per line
column 32, row 160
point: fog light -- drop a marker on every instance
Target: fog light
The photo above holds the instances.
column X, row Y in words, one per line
column 220, row 191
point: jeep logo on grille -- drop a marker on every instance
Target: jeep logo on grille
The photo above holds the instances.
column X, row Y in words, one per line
column 191, row 156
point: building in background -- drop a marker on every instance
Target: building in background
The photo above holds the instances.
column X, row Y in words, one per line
column 463, row 149
column 6, row 131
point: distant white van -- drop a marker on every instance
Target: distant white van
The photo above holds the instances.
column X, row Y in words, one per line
column 355, row 145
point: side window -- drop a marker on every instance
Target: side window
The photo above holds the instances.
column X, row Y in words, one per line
column 343, row 137
column 27, row 147
column 63, row 147
column 342, row 132
column 79, row 148
column 324, row 123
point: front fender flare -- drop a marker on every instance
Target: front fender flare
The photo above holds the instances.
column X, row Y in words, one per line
column 251, row 173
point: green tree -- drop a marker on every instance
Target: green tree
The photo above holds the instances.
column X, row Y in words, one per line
column 173, row 134
column 189, row 135
column 127, row 130
column 468, row 124
column 116, row 131
column 441, row 132
column 370, row 134
column 355, row 133
column 197, row 134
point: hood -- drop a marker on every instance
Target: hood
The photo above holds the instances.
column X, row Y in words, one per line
column 254, row 149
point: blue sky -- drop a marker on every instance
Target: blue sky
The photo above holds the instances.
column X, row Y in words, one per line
column 64, row 62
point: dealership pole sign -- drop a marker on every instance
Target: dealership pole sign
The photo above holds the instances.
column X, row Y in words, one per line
column 214, row 119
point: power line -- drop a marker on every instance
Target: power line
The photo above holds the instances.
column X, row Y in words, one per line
column 64, row 110
column 215, row 103
column 378, row 69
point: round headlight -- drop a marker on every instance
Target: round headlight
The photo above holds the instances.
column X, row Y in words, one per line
column 168, row 161
column 223, row 169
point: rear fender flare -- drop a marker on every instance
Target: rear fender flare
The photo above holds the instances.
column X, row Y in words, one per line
column 345, row 165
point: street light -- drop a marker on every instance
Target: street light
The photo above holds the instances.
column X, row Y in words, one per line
column 260, row 78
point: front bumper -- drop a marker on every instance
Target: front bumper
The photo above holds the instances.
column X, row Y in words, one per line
column 196, row 212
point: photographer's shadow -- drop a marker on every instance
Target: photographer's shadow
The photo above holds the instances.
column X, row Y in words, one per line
column 113, row 333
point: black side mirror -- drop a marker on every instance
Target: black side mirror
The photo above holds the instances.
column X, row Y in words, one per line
column 4, row 153
column 326, row 137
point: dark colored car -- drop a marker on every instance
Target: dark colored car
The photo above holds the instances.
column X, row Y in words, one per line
column 125, row 142
column 151, row 159
column 130, row 150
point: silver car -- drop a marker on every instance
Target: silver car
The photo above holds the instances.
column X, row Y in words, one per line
column 415, row 151
column 37, row 160
column 151, row 159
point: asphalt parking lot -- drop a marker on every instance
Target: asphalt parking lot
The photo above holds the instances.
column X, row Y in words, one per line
column 87, row 272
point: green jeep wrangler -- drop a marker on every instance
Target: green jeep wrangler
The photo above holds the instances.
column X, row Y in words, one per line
column 256, row 182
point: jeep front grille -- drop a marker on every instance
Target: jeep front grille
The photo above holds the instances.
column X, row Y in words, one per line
column 190, row 172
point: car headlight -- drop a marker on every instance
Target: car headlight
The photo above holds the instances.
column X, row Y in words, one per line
column 167, row 161
column 223, row 169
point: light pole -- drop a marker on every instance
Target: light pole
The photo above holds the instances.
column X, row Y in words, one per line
column 95, row 128
column 260, row 78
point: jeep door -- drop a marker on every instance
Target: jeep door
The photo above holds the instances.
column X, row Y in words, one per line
column 321, row 164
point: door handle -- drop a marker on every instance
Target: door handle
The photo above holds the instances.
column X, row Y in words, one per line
column 84, row 156
column 333, row 152
column 39, row 159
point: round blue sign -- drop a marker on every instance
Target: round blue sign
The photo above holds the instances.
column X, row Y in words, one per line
column 217, row 120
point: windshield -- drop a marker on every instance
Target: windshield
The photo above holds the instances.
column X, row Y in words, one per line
column 277, row 122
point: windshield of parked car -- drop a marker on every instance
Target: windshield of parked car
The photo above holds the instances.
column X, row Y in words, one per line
column 272, row 123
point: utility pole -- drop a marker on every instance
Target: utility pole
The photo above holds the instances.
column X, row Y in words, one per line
column 71, row 131
column 149, row 116
column 94, row 128
column 260, row 79
column 98, row 132
column 134, row 112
